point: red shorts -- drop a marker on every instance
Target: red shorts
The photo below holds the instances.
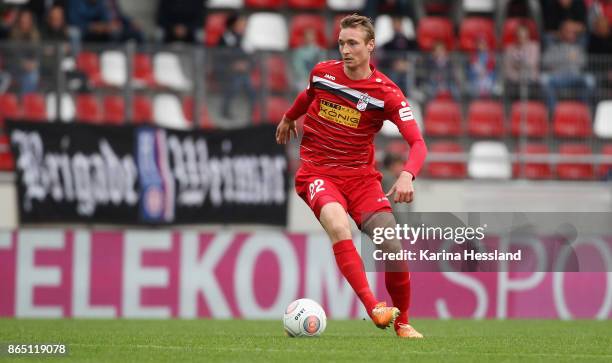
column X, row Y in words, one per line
column 359, row 195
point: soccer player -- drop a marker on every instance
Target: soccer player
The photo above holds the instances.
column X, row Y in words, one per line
column 346, row 103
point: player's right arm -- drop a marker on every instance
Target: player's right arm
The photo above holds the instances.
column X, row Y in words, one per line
column 287, row 126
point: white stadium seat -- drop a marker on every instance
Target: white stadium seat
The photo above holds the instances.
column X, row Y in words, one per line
column 168, row 112
column 266, row 31
column 346, row 5
column 390, row 130
column 225, row 4
column 67, row 107
column 169, row 73
column 479, row 6
column 489, row 160
column 114, row 68
column 603, row 120
column 384, row 29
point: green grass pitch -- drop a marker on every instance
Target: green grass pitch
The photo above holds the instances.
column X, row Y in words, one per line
column 239, row 340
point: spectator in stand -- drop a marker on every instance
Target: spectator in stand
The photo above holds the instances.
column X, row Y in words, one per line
column 481, row 70
column 600, row 41
column 442, row 80
column 522, row 61
column 130, row 30
column 54, row 27
column 558, row 12
column 237, row 76
column 180, row 19
column 94, row 20
column 25, row 63
column 305, row 58
column 600, row 8
column 41, row 8
column 563, row 63
column 394, row 60
column 397, row 7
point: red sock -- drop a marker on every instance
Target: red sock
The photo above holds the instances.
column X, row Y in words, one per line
column 398, row 286
column 350, row 264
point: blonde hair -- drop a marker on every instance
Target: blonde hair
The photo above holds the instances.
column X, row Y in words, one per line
column 356, row 20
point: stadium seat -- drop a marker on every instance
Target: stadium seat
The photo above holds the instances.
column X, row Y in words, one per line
column 346, row 5
column 114, row 68
column 6, row 157
column 435, row 29
column 142, row 110
column 307, row 4
column 536, row 119
column 603, row 120
column 486, row 119
column 333, row 41
column 143, row 70
column 168, row 112
column 510, row 26
column 443, row 118
column 383, row 27
column 169, row 72
column 275, row 107
column 300, row 23
column 205, row 121
column 489, row 160
column 390, row 130
column 474, row 28
column 264, row 4
column 114, row 110
column 33, row 105
column 605, row 169
column 446, row 169
column 88, row 63
column 9, row 107
column 266, row 31
column 87, row 108
column 572, row 170
column 225, row 4
column 532, row 169
column 214, row 28
column 572, row 120
column 479, row 6
column 67, row 108
column 276, row 70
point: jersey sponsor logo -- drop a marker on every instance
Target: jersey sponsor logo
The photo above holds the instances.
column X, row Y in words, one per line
column 363, row 102
column 405, row 113
column 339, row 114
column 329, row 76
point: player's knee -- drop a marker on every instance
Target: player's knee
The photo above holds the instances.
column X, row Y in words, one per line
column 339, row 230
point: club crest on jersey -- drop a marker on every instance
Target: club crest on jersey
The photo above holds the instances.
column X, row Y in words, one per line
column 363, row 102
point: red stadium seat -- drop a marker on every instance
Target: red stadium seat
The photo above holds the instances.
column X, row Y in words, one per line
column 89, row 63
column 435, row 29
column 533, row 170
column 143, row 70
column 574, row 170
column 87, row 108
column 142, row 110
column 333, row 41
column 510, row 26
column 307, row 4
column 572, row 120
column 34, row 107
column 486, row 119
column 472, row 29
column 205, row 120
column 605, row 169
column 214, row 28
column 261, row 4
column 276, row 106
column 536, row 119
column 443, row 118
column 114, row 110
column 300, row 23
column 446, row 169
column 6, row 157
column 9, row 107
column 277, row 71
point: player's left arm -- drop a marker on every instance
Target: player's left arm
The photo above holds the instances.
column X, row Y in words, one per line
column 399, row 112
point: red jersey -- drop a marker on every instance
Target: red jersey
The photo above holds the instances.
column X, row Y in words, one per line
column 343, row 116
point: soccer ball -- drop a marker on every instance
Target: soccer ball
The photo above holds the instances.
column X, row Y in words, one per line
column 304, row 318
